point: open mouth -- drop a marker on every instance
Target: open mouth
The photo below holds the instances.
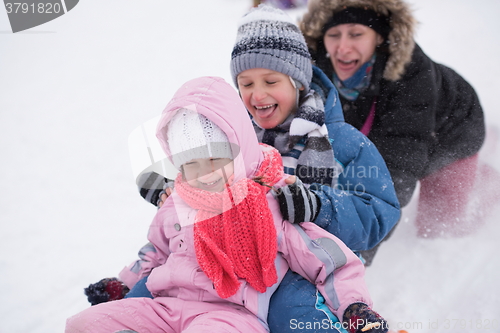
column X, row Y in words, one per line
column 265, row 111
column 346, row 64
column 211, row 184
column 208, row 184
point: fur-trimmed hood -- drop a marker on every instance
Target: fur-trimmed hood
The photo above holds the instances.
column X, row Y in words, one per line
column 400, row 38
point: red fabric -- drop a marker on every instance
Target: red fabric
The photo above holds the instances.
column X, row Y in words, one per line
column 458, row 199
column 115, row 290
column 240, row 240
column 367, row 126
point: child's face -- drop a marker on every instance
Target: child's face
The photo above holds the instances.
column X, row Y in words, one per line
column 268, row 95
column 209, row 174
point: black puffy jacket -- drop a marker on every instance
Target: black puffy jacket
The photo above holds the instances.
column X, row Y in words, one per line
column 428, row 119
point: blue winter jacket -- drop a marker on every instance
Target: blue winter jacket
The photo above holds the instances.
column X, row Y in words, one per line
column 363, row 207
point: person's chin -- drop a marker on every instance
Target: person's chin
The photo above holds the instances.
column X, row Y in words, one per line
column 269, row 124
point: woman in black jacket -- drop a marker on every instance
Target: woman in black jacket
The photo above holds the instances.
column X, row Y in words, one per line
column 425, row 119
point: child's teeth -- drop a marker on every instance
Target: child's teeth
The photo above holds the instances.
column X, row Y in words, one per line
column 263, row 107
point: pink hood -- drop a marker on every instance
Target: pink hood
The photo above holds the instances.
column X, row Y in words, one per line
column 218, row 101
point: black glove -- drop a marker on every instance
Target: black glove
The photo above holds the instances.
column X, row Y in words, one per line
column 151, row 185
column 109, row 289
column 297, row 203
column 168, row 184
column 359, row 318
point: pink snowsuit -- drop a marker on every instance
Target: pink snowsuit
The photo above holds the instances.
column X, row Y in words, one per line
column 185, row 299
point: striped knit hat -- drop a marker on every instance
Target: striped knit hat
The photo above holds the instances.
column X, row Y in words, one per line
column 268, row 38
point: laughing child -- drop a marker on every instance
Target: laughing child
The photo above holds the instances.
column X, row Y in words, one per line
column 221, row 245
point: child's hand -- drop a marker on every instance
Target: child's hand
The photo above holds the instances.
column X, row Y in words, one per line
column 164, row 195
column 297, row 203
column 167, row 191
column 290, row 180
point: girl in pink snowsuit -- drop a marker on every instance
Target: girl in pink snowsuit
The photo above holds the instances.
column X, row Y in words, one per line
column 220, row 244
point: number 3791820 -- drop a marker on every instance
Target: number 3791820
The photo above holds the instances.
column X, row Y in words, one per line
column 40, row 8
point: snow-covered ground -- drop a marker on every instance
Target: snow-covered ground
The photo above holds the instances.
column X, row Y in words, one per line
column 73, row 89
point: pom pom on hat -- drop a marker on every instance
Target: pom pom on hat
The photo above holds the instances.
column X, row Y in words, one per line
column 191, row 135
column 268, row 38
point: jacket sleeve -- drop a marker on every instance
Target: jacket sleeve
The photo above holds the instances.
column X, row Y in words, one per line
column 363, row 207
column 151, row 255
column 427, row 120
column 149, row 259
column 325, row 261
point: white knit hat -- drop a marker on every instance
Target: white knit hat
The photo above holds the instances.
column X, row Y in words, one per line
column 191, row 135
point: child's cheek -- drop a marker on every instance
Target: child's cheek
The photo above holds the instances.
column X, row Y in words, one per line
column 193, row 182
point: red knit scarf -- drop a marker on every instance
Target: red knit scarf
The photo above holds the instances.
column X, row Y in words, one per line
column 240, row 240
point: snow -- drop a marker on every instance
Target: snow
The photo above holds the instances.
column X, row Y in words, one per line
column 73, row 89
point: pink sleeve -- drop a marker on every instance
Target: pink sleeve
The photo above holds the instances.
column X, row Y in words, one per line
column 151, row 255
column 328, row 263
column 149, row 259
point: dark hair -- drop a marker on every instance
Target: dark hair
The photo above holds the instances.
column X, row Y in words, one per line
column 378, row 22
column 320, row 59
